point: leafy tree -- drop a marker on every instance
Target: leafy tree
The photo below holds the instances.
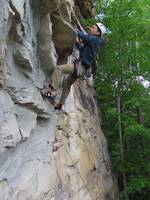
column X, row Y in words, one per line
column 124, row 100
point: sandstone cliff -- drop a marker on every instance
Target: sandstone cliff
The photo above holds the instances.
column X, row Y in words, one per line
column 47, row 155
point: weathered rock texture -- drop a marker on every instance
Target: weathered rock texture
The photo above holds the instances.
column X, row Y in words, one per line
column 46, row 155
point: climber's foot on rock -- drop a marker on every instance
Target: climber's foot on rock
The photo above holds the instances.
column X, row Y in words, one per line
column 58, row 107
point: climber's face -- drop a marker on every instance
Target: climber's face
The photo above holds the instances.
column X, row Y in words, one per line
column 94, row 30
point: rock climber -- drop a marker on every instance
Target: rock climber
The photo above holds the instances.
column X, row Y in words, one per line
column 88, row 46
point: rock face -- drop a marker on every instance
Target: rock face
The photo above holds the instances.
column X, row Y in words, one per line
column 47, row 155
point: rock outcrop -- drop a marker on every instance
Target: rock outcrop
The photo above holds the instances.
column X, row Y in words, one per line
column 47, row 155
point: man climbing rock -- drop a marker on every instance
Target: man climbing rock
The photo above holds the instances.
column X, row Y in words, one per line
column 88, row 46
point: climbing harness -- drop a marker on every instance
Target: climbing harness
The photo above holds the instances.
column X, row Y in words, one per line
column 79, row 69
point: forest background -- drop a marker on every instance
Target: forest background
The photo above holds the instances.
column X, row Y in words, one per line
column 123, row 91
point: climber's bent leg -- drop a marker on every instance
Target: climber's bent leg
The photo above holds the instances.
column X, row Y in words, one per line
column 66, row 85
column 57, row 74
column 56, row 78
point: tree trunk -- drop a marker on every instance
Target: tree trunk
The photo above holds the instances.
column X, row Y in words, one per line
column 140, row 116
column 121, row 135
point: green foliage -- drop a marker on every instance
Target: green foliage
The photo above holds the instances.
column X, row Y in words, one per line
column 137, row 186
column 125, row 60
column 89, row 22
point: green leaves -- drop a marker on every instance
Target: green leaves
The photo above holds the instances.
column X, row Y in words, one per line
column 126, row 57
column 136, row 187
column 135, row 131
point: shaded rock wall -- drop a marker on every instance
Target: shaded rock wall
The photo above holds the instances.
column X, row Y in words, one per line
column 46, row 155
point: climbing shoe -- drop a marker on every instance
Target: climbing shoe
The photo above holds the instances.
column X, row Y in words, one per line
column 50, row 93
column 58, row 107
